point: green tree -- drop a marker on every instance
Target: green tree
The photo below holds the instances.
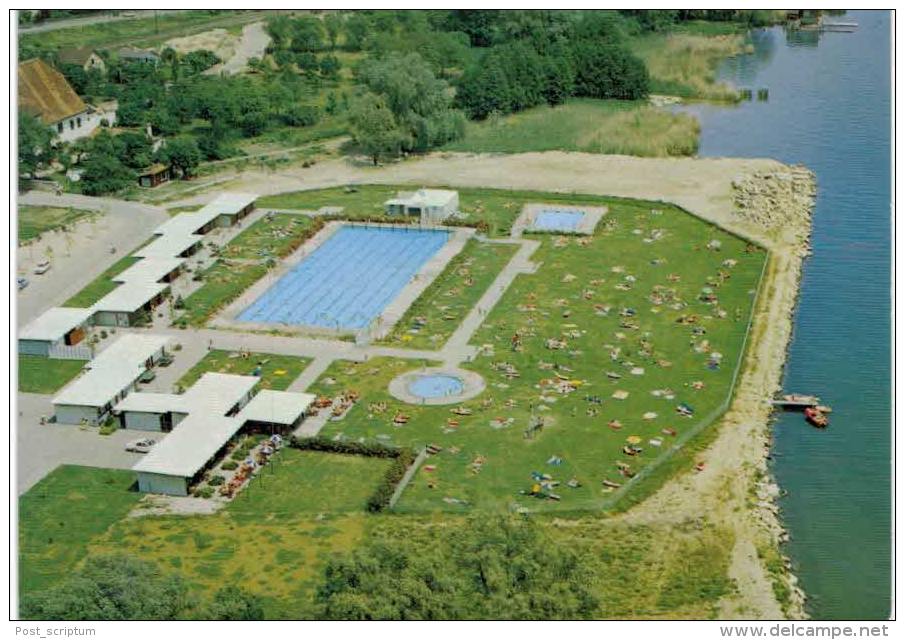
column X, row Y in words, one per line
column 233, row 603
column 34, row 144
column 329, row 66
column 374, row 128
column 307, row 34
column 112, row 587
column 492, row 567
column 559, row 79
column 103, row 172
column 609, row 72
column 484, row 88
column 333, row 25
column 356, row 28
column 182, row 153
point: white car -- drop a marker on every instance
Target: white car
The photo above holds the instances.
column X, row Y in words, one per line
column 141, row 446
column 42, row 267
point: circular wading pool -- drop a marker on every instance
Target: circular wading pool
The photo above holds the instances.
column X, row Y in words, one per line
column 436, row 386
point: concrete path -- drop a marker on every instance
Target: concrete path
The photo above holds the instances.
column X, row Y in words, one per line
column 311, row 373
column 457, row 348
column 82, row 254
column 252, row 45
column 42, row 448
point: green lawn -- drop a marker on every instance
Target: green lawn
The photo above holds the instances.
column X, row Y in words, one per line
column 33, row 221
column 593, row 126
column 277, row 371
column 102, row 285
column 274, row 238
column 46, row 375
column 310, row 482
column 449, row 298
column 62, row 514
column 574, row 298
column 223, row 282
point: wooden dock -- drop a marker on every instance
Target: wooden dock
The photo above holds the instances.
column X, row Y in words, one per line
column 796, row 401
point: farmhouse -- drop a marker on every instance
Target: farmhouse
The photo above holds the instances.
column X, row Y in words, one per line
column 44, row 93
column 133, row 54
column 84, row 57
column 111, row 376
column 204, row 419
column 53, row 330
column 432, row 206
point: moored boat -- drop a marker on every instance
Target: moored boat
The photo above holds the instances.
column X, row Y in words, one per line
column 816, row 417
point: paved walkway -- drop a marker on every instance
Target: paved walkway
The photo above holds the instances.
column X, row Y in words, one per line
column 82, row 254
column 311, row 373
column 252, row 45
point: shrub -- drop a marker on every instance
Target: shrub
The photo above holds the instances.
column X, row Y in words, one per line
column 229, row 465
column 216, row 480
column 380, row 499
column 204, row 492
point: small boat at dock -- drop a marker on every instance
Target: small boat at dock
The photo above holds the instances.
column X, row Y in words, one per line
column 816, row 417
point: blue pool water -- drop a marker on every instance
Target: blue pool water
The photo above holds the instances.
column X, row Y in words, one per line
column 346, row 282
column 557, row 220
column 436, row 386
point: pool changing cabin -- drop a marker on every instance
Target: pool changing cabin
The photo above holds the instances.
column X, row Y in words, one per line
column 432, row 206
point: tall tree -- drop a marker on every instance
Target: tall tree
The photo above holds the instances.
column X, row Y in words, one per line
column 374, row 127
column 492, row 567
column 114, row 587
column 182, row 153
column 333, row 25
column 34, row 144
column 234, row 603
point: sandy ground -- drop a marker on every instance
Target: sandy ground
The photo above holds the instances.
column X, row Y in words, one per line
column 220, row 41
column 253, row 43
column 723, row 491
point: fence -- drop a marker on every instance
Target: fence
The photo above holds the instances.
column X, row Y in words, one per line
column 73, row 352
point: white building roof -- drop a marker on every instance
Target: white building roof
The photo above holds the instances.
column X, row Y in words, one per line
column 190, row 445
column 279, row 407
column 54, row 323
column 149, row 270
column 130, row 296
column 168, row 246
column 217, row 393
column 232, row 202
column 424, row 198
column 114, row 369
column 151, row 403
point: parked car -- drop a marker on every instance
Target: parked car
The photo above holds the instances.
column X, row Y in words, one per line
column 42, row 267
column 21, row 282
column 165, row 360
column 141, row 446
column 147, row 376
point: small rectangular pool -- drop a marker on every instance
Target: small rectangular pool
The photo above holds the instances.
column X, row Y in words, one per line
column 557, row 220
column 347, row 281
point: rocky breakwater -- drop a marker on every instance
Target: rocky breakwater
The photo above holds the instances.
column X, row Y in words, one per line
column 780, row 202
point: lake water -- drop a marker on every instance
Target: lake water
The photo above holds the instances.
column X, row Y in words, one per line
column 829, row 109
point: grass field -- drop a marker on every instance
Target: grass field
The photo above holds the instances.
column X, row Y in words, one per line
column 449, row 298
column 224, row 281
column 277, row 371
column 593, row 126
column 62, row 514
column 46, row 375
column 142, row 31
column 274, row 238
column 33, row 221
column 102, row 285
column 685, row 64
column 612, row 306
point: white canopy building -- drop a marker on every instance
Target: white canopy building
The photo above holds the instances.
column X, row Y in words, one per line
column 56, row 327
column 432, row 206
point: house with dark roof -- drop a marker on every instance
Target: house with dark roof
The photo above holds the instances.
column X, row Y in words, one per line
column 46, row 94
column 85, row 57
column 133, row 54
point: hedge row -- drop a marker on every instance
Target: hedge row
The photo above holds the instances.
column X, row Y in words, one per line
column 402, row 460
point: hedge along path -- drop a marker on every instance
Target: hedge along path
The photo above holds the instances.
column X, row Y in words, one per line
column 409, row 474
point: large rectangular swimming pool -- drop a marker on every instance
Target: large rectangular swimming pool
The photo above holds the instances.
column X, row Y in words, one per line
column 347, row 281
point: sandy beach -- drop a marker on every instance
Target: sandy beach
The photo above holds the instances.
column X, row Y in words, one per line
column 760, row 199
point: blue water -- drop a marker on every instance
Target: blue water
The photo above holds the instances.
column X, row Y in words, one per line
column 436, row 386
column 557, row 220
column 829, row 109
column 347, row 281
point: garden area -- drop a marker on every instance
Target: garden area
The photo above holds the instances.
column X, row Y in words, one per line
column 35, row 221
column 620, row 346
column 438, row 311
column 276, row 371
column 38, row 374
